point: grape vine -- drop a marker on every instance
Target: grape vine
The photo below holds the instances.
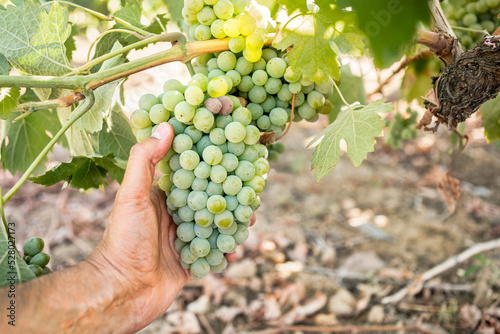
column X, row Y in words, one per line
column 257, row 67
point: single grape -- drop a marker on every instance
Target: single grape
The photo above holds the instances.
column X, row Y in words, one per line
column 276, row 67
column 223, row 120
column 273, row 86
column 143, row 134
column 164, row 183
column 232, row 185
column 206, row 16
column 230, row 230
column 204, row 218
column 226, row 243
column 46, row 270
column 217, row 29
column 245, row 171
column 218, row 174
column 252, row 55
column 217, row 87
column 189, row 160
column 181, row 143
column 214, row 188
column 261, row 166
column 235, row 77
column 203, row 120
column 202, row 171
column 229, row 162
column 173, row 84
column 220, row 267
column 257, row 183
column 241, row 234
column 202, row 33
column 295, row 87
column 315, row 99
column 216, row 204
column 217, row 136
column 278, row 116
column 235, row 132
column 250, row 154
column 183, row 178
column 177, row 126
column 243, row 213
column 258, row 94
column 187, row 255
column 255, row 41
column 214, row 257
column 223, row 9
column 147, row 101
column 193, row 5
column 178, row 197
column 268, row 54
column 227, row 105
column 199, row 246
column 231, row 202
column 184, row 112
column 200, row 268
column 194, row 95
column 179, row 245
column 268, row 104
column 243, row 66
column 186, row 213
column 247, row 24
column 185, row 232
column 140, row 119
column 33, row 246
column 199, row 184
column 212, row 155
column 246, row 84
column 214, row 105
column 158, row 114
column 306, row 111
column 193, row 133
column 224, row 220
column 231, row 28
column 197, row 200
column 236, row 148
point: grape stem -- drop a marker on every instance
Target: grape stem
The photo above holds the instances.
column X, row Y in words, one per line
column 479, row 32
column 291, row 119
column 74, row 116
column 190, row 68
column 104, row 17
column 342, row 96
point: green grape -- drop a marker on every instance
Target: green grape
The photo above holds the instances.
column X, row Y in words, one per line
column 243, row 66
column 181, row 143
column 229, row 82
column 245, row 171
column 242, row 115
column 203, row 120
column 173, row 84
column 206, row 16
column 258, row 94
column 158, row 114
column 199, row 184
column 203, row 232
column 325, row 87
column 295, row 88
column 273, row 86
column 202, row 33
column 277, row 129
column 284, row 94
column 184, row 112
column 200, row 268
column 256, row 204
column 239, row 6
column 163, row 165
column 489, row 26
column 214, row 257
column 256, row 110
column 178, row 197
column 220, row 267
column 216, row 204
column 264, row 122
column 246, row 84
column 186, row 214
column 257, row 183
column 252, row 55
column 36, row 269
column 279, row 147
column 232, row 185
column 224, row 220
column 231, row 28
column 268, row 54
column 326, row 108
column 251, row 153
column 315, row 99
column 261, row 166
column 215, row 73
column 299, row 99
column 262, row 150
column 199, row 246
column 183, row 178
column 193, row 5
column 202, row 171
column 217, row 87
column 174, row 163
column 217, row 136
column 278, row 116
column 230, row 230
column 493, row 3
column 197, row 200
column 214, row 189
column 243, row 213
column 185, row 232
column 226, row 60
column 165, row 183
column 255, row 41
column 229, row 162
column 33, row 246
column 246, row 195
column 140, row 119
column 41, row 259
column 276, row 67
column 194, row 96
column 305, row 82
column 218, row 174
column 268, row 104
column 247, row 24
column 236, row 148
column 212, row 155
column 259, row 77
column 231, row 202
column 252, row 136
column 259, row 65
column 224, row 9
column 199, row 80
column 223, row 120
column 306, row 111
column 291, row 76
column 217, row 29
column 147, row 101
column 171, row 98
column 226, row 243
column 241, row 234
column 235, row 132
column 193, row 133
column 189, row 160
column 204, row 218
column 179, row 245
column 143, row 134
column 210, row 2
column 212, row 239
column 187, row 255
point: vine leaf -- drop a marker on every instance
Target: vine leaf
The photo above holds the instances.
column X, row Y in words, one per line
column 33, row 40
column 358, row 128
column 92, row 120
column 11, row 264
column 8, row 101
column 82, row 172
column 389, row 25
column 294, row 5
column 312, row 54
column 25, row 139
column 4, row 65
column 351, row 87
column 116, row 135
column 491, row 119
column 78, row 140
column 175, row 10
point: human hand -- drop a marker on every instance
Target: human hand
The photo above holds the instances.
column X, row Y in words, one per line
column 137, row 250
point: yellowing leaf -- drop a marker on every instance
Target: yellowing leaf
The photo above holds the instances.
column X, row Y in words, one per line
column 358, row 127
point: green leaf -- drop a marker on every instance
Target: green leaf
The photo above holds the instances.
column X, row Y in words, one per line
column 116, row 135
column 33, row 41
column 351, row 41
column 312, row 55
column 4, row 65
column 294, row 5
column 175, row 10
column 416, row 83
column 158, row 23
column 70, row 43
column 358, row 128
column 13, row 269
column 491, row 119
column 25, row 139
column 78, row 140
column 8, row 101
column 131, row 13
column 81, row 172
column 92, row 120
column 351, row 87
column 390, row 25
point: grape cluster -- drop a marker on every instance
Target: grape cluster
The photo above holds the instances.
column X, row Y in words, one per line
column 245, row 22
column 34, row 257
column 473, row 14
column 401, row 129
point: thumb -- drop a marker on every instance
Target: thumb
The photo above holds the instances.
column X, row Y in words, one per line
column 143, row 158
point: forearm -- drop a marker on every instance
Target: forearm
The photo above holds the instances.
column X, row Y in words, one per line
column 80, row 299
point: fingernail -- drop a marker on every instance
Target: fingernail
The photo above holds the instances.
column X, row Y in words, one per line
column 160, row 131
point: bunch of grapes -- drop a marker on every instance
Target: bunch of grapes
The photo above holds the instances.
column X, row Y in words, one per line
column 217, row 166
column 245, row 22
column 479, row 15
column 401, row 129
column 34, row 258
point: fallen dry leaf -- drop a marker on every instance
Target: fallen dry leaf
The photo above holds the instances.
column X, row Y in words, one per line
column 449, row 188
column 300, row 312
